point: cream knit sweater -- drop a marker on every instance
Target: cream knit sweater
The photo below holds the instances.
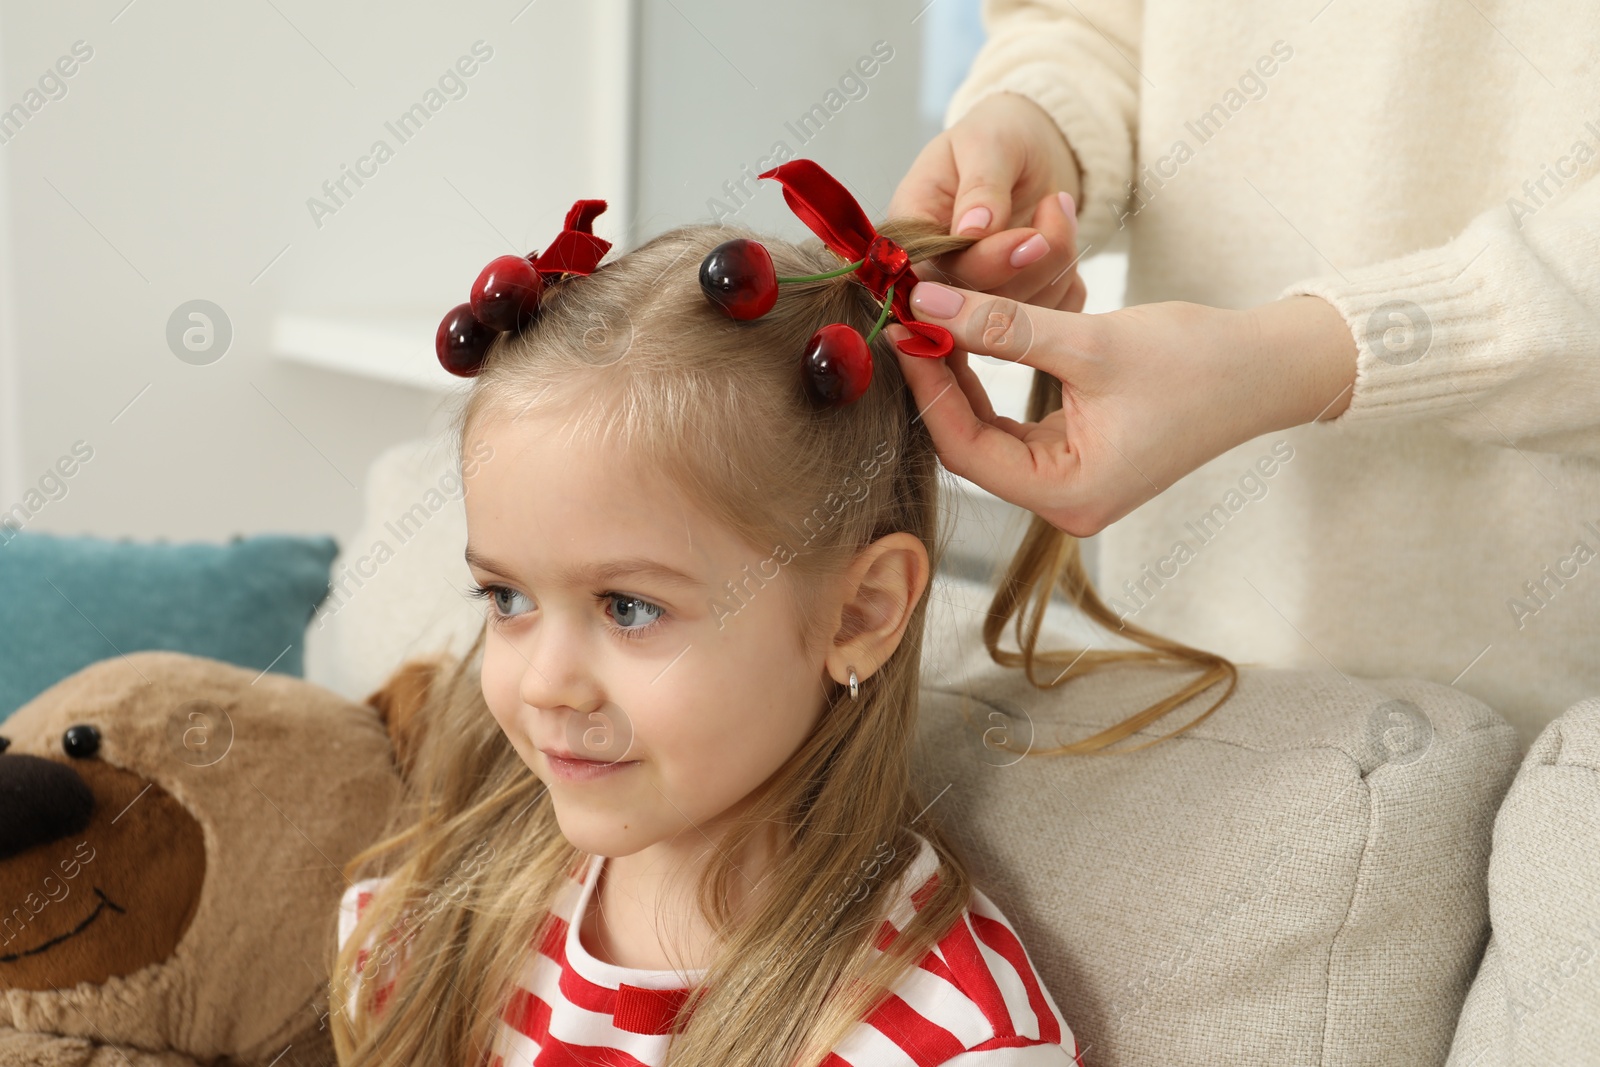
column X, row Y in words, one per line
column 1427, row 168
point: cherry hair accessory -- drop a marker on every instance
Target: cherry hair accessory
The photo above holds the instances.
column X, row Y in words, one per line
column 738, row 278
column 506, row 295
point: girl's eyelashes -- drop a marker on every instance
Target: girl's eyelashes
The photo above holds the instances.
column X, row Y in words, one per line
column 632, row 609
column 493, row 594
column 636, row 609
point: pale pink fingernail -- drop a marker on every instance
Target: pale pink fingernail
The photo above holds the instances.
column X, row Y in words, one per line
column 1030, row 251
column 976, row 218
column 937, row 300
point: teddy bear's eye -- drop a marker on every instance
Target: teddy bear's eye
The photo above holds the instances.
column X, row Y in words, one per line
column 81, row 741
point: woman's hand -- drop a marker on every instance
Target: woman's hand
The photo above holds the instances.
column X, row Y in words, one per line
column 1149, row 393
column 1004, row 165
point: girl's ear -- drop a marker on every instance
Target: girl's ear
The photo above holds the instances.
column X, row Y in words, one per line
column 399, row 702
column 883, row 587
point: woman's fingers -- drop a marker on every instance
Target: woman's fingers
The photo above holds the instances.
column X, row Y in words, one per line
column 970, row 182
column 1075, row 297
column 1047, row 283
column 971, row 385
column 968, row 445
column 1031, row 465
column 1054, row 293
column 989, row 171
column 977, row 395
column 1019, row 263
column 1043, row 338
column 966, row 379
column 929, row 187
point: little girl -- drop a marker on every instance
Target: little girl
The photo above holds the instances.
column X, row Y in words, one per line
column 662, row 812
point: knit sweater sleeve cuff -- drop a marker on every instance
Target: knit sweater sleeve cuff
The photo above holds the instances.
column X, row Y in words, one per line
column 1424, row 335
column 1494, row 334
column 1103, row 145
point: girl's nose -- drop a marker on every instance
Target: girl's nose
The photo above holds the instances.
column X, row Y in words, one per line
column 557, row 671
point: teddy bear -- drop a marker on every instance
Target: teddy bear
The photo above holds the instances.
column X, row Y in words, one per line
column 172, row 833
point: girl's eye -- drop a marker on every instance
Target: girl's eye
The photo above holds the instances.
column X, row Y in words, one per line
column 505, row 601
column 633, row 616
column 503, row 598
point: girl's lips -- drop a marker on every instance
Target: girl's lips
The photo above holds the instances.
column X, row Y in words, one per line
column 583, row 770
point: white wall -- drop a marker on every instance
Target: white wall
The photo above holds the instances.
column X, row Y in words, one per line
column 724, row 87
column 178, row 165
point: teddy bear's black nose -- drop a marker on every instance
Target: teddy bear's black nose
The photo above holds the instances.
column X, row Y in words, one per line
column 40, row 801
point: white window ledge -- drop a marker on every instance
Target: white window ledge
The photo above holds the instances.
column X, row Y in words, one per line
column 397, row 350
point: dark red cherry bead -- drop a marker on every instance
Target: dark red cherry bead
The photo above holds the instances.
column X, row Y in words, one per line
column 737, row 276
column 462, row 341
column 506, row 294
column 838, row 366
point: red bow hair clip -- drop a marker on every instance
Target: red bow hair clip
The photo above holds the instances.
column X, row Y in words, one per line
column 738, row 278
column 506, row 295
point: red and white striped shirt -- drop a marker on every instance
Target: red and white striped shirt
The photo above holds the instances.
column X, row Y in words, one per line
column 973, row 1001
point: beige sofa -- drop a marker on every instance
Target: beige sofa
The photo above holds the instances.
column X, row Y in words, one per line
column 1308, row 877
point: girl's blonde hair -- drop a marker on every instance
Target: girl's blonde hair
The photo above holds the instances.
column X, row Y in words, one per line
column 635, row 353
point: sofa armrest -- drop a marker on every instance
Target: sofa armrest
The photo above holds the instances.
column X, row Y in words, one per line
column 1536, row 998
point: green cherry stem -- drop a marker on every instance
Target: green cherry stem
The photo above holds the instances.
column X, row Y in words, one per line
column 883, row 317
column 825, row 274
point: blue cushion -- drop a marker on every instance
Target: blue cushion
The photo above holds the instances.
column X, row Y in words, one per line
column 67, row 602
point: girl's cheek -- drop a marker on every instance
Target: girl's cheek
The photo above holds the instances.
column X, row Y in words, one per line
column 499, row 683
column 691, row 728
